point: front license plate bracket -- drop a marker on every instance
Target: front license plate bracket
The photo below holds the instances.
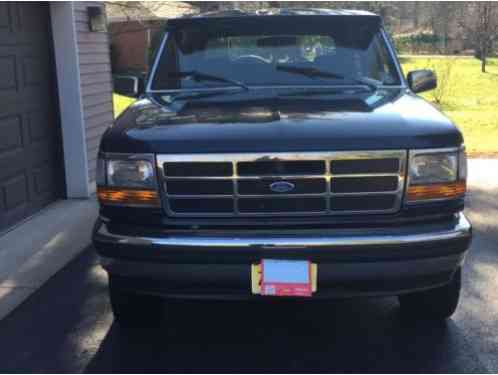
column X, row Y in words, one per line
column 284, row 278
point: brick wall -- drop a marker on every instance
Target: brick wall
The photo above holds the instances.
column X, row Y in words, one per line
column 130, row 44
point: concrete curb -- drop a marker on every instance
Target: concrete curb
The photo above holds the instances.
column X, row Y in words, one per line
column 35, row 250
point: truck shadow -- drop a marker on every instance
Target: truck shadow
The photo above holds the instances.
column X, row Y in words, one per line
column 344, row 336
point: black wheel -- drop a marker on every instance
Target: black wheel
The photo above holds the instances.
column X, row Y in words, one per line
column 135, row 310
column 434, row 304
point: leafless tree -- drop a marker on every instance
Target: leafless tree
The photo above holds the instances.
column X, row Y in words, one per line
column 479, row 20
column 133, row 10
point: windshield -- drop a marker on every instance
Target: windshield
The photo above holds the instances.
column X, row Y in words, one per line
column 278, row 56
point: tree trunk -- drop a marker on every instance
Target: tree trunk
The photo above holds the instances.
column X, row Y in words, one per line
column 415, row 14
column 484, row 55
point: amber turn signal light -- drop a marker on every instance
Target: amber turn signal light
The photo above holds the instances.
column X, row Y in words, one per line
column 436, row 191
column 128, row 197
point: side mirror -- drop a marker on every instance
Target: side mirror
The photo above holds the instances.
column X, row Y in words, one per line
column 422, row 80
column 128, row 85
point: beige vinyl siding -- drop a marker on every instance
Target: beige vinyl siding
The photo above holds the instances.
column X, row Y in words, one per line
column 96, row 82
column 97, row 109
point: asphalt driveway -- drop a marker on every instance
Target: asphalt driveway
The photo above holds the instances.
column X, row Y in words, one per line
column 67, row 326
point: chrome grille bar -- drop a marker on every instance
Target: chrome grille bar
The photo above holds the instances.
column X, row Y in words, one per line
column 328, row 195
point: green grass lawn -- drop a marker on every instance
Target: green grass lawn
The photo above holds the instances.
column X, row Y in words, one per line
column 471, row 99
column 120, row 103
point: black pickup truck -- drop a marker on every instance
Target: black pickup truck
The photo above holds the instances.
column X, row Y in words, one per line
column 281, row 154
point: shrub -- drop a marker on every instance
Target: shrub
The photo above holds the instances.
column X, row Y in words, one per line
column 444, row 69
column 416, row 43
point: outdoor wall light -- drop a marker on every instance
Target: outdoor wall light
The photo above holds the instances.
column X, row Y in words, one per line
column 96, row 19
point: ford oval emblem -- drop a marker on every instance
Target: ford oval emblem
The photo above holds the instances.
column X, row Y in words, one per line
column 282, row 187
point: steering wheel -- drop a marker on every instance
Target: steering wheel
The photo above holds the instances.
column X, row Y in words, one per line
column 250, row 59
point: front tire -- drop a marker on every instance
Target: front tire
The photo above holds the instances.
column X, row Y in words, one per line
column 434, row 304
column 134, row 310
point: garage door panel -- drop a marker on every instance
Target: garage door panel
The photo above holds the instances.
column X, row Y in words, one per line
column 26, row 17
column 12, row 163
column 16, row 191
column 11, row 134
column 15, row 215
column 34, row 65
column 3, row 209
column 5, row 19
column 41, row 127
column 29, row 18
column 23, row 23
column 22, row 147
column 44, row 179
column 34, row 71
column 42, row 150
column 24, row 71
column 32, row 100
column 8, row 72
column 30, row 169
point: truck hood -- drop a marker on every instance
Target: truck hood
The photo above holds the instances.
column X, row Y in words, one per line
column 388, row 119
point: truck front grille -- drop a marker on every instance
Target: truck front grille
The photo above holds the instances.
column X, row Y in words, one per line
column 282, row 184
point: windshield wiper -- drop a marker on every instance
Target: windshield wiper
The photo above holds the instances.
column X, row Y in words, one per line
column 170, row 98
column 312, row 72
column 200, row 76
column 318, row 92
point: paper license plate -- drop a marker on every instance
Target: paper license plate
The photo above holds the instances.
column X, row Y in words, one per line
column 290, row 278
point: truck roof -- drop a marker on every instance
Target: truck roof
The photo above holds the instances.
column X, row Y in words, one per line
column 273, row 13
column 283, row 12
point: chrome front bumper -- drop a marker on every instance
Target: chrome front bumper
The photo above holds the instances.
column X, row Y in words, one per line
column 460, row 228
column 351, row 262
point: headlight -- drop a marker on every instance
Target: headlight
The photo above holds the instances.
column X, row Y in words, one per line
column 433, row 168
column 127, row 180
column 130, row 173
column 436, row 174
